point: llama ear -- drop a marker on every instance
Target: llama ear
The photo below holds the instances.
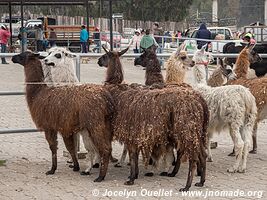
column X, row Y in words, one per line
column 221, row 62
column 106, row 50
column 43, row 55
column 203, row 48
column 123, row 51
column 36, row 55
column 70, row 55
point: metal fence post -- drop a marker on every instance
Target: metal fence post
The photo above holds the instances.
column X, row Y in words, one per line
column 78, row 67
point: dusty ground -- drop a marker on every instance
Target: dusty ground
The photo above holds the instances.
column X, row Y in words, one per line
column 28, row 157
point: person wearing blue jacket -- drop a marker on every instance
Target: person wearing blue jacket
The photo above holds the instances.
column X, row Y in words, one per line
column 84, row 39
column 203, row 33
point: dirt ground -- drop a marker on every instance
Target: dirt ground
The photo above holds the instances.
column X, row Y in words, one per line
column 28, row 157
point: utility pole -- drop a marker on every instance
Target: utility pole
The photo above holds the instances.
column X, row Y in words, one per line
column 111, row 25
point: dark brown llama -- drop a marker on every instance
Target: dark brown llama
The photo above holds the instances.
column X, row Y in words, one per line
column 147, row 118
column 68, row 110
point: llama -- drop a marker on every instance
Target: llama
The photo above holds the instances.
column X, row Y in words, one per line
column 156, row 122
column 257, row 86
column 176, row 66
column 68, row 110
column 221, row 74
column 59, row 58
column 230, row 107
column 60, row 69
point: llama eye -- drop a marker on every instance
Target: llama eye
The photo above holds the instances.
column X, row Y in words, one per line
column 58, row 55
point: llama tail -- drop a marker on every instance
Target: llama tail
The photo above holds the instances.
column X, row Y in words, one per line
column 250, row 116
column 251, row 108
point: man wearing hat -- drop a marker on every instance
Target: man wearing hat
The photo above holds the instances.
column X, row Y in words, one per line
column 4, row 36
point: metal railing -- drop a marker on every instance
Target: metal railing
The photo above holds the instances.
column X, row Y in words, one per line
column 78, row 66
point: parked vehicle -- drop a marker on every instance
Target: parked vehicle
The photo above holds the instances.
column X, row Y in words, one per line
column 105, row 36
column 218, row 33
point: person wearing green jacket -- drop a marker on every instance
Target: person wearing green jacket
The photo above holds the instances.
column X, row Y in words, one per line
column 147, row 41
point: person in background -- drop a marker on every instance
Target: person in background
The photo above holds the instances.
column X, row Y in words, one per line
column 157, row 32
column 96, row 37
column 84, row 35
column 143, row 32
column 147, row 41
column 249, row 38
column 4, row 36
column 52, row 37
column 39, row 36
column 135, row 41
column 167, row 39
column 203, row 33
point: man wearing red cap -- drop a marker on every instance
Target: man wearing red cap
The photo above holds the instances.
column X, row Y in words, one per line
column 4, row 35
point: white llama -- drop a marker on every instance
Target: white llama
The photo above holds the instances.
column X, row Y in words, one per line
column 231, row 107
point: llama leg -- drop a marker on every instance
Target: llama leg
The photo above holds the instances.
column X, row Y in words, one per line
column 168, row 161
column 152, row 167
column 71, row 147
column 112, row 159
column 246, row 137
column 254, row 139
column 104, row 161
column 232, row 153
column 97, row 161
column 192, row 168
column 177, row 164
column 123, row 157
column 76, row 138
column 238, row 145
column 102, row 143
column 51, row 137
column 202, row 168
column 209, row 151
column 90, row 159
column 133, row 154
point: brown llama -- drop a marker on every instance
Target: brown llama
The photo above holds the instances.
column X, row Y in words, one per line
column 257, row 86
column 68, row 110
column 147, row 118
column 153, row 73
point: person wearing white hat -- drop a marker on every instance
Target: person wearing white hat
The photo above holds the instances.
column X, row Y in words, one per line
column 135, row 41
column 4, row 36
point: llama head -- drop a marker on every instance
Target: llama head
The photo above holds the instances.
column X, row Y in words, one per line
column 253, row 56
column 148, row 58
column 25, row 57
column 104, row 60
column 58, row 56
column 226, row 69
column 202, row 57
column 182, row 56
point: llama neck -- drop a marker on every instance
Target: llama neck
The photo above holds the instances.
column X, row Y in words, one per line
column 175, row 71
column 200, row 74
column 114, row 72
column 33, row 74
column 153, row 73
column 242, row 65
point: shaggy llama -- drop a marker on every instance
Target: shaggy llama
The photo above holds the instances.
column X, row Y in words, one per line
column 156, row 122
column 68, row 110
column 60, row 70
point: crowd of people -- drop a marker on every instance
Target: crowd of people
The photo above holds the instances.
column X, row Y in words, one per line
column 141, row 40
